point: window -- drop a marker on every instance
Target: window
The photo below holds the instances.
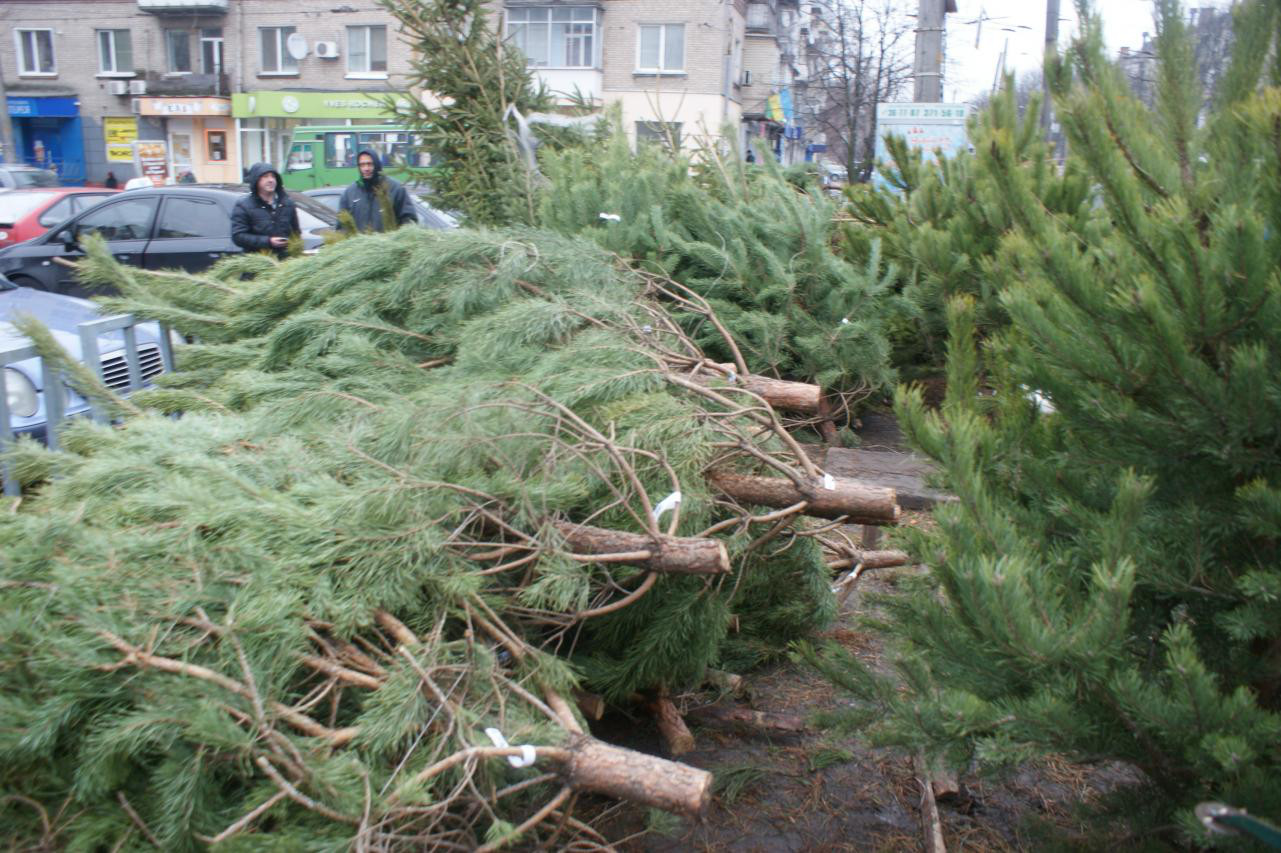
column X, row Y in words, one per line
column 340, row 150
column 367, row 50
column 211, row 51
column 662, row 47
column 35, row 51
column 15, row 206
column 216, row 145
column 178, row 49
column 554, row 37
column 667, row 134
column 125, row 220
column 300, row 158
column 69, row 207
column 115, row 52
column 275, row 58
column 192, row 217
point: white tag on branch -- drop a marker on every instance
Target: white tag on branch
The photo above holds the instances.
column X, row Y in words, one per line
column 666, row 503
column 845, row 321
column 731, row 377
column 611, row 217
column 527, row 754
column 829, row 482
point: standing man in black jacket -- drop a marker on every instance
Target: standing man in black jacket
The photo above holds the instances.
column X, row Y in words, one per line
column 265, row 218
column 366, row 197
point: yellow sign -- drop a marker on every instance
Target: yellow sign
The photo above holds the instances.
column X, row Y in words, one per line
column 119, row 153
column 119, row 130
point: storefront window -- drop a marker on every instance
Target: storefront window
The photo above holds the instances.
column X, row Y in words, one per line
column 216, row 145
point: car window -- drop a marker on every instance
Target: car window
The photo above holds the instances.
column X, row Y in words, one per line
column 59, row 212
column 329, row 200
column 14, row 206
column 307, row 222
column 81, row 202
column 192, row 217
column 34, row 178
column 127, row 219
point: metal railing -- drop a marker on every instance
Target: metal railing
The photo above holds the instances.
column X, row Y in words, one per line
column 53, row 382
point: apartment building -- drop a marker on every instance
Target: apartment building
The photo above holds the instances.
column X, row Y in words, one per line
column 681, row 71
column 204, row 87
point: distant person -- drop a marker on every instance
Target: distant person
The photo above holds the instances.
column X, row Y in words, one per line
column 187, row 177
column 111, row 183
column 751, row 156
column 266, row 217
column 366, row 197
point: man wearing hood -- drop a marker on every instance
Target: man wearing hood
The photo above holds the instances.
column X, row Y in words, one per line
column 265, row 218
column 373, row 192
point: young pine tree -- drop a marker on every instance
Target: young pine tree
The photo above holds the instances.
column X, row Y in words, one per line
column 1108, row 586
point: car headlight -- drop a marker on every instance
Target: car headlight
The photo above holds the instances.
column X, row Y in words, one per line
column 20, row 393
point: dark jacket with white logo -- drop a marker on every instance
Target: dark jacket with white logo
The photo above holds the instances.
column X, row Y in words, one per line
column 361, row 199
column 254, row 222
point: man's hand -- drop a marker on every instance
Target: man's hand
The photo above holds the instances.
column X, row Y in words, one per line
column 278, row 242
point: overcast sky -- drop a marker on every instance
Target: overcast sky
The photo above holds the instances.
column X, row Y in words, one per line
column 969, row 71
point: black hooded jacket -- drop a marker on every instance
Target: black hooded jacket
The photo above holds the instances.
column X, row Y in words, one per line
column 361, row 198
column 254, row 222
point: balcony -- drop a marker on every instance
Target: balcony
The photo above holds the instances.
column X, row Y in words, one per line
column 187, row 85
column 183, row 7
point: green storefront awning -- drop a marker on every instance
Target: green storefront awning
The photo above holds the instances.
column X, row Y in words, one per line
column 339, row 105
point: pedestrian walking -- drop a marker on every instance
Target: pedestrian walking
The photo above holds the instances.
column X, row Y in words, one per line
column 111, row 183
column 265, row 218
column 373, row 193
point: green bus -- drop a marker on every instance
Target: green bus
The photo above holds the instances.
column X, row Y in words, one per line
column 325, row 156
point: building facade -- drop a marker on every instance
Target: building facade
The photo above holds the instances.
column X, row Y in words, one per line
column 133, row 86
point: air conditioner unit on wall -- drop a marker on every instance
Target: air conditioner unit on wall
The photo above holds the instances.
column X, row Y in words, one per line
column 137, row 87
column 118, row 87
column 327, row 49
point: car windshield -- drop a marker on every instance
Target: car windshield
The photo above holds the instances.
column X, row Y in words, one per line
column 34, row 178
column 14, row 206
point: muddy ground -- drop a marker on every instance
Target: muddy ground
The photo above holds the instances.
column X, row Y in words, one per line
column 818, row 790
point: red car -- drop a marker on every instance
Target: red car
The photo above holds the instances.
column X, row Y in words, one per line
column 28, row 213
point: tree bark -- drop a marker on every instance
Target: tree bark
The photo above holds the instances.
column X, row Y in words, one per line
column 676, row 735
column 669, row 554
column 858, row 502
column 871, row 560
column 626, row 775
column 746, row 720
column 779, row 393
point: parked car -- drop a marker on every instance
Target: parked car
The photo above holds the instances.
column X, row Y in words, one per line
column 428, row 216
column 23, row 380
column 18, row 175
column 27, row 213
column 181, row 227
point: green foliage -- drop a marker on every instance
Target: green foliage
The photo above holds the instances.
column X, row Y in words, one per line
column 1108, row 587
column 356, row 425
column 940, row 223
column 474, row 77
column 756, row 246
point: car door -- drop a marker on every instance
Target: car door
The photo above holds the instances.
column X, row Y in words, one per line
column 124, row 223
column 192, row 233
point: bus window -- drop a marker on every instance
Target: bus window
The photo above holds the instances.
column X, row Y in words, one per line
column 340, row 150
column 300, row 157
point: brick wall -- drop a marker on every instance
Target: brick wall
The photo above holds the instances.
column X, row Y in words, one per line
column 709, row 32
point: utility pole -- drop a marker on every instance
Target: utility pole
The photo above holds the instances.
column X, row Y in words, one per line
column 1051, row 48
column 929, row 52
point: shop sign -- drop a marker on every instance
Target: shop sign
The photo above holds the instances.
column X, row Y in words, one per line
column 20, row 107
column 152, row 158
column 183, row 106
column 316, row 105
column 120, row 153
column 119, row 130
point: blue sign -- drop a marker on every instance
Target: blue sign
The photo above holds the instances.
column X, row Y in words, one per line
column 44, row 107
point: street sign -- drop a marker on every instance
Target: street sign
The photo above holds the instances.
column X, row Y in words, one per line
column 927, row 126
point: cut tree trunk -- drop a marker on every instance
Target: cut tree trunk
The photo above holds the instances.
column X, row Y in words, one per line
column 746, row 720
column 779, row 393
column 669, row 554
column 626, row 775
column 676, row 735
column 857, row 502
column 871, row 560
